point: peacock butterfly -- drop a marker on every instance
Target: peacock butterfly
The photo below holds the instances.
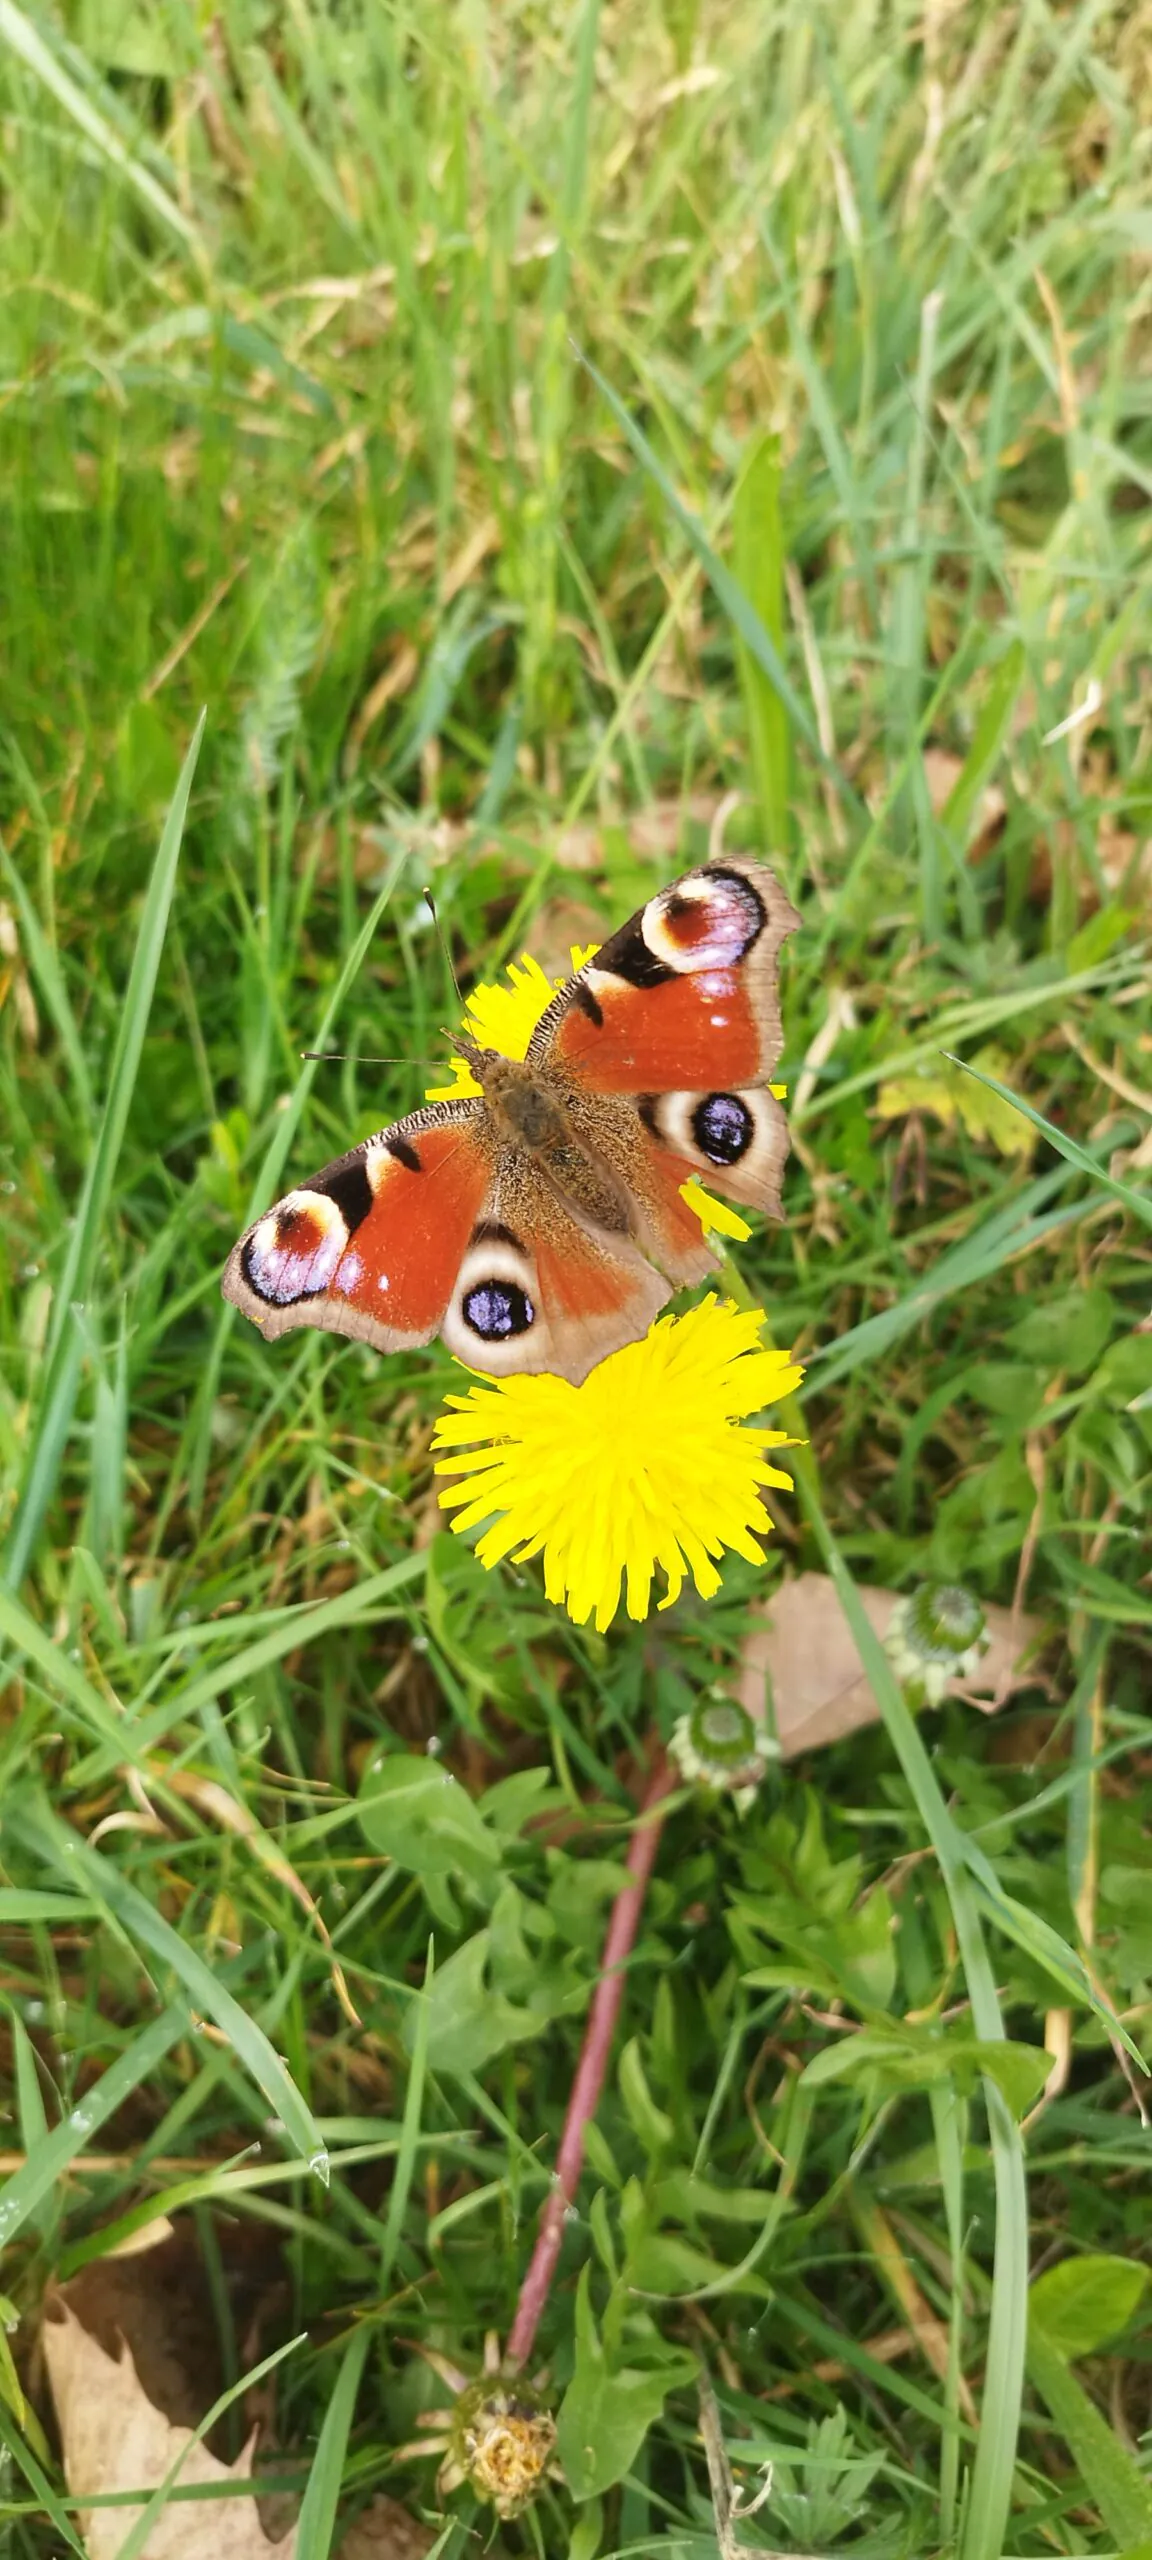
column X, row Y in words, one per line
column 541, row 1226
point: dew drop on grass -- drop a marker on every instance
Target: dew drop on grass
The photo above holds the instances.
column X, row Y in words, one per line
column 320, row 2167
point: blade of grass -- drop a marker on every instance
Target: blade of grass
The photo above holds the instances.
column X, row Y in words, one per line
column 1043, row 1944
column 969, row 1022
column 26, row 2188
column 741, row 614
column 297, row 1626
column 24, row 39
column 45, row 969
column 63, row 1355
column 990, row 2487
column 987, row 739
column 413, row 2106
column 275, row 1156
column 1009, row 1231
column 1138, row 1201
column 907, row 633
column 65, row 1681
column 758, row 553
column 317, row 2521
column 136, row 2541
column 57, row 1844
column 48, row 2502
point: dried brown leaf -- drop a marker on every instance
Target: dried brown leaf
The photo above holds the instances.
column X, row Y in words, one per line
column 114, row 2439
column 819, row 1685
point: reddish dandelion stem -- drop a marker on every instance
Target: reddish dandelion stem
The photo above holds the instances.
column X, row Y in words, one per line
column 593, row 2063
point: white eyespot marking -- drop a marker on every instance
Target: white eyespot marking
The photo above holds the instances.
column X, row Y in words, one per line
column 705, row 922
column 376, row 1162
column 293, row 1252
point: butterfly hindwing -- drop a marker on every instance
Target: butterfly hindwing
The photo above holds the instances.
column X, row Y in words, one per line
column 371, row 1246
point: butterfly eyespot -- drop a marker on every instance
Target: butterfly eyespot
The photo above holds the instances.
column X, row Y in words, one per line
column 709, row 922
column 497, row 1309
column 723, row 1127
column 293, row 1252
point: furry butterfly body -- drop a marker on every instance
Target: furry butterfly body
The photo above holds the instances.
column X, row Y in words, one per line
column 541, row 1225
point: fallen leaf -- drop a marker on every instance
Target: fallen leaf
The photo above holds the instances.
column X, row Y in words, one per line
column 819, row 1686
column 131, row 2356
column 954, row 1096
column 113, row 2438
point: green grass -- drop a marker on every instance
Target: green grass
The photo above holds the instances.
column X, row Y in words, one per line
column 514, row 431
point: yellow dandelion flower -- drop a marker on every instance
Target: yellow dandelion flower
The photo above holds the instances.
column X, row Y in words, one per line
column 504, row 1018
column 648, row 1465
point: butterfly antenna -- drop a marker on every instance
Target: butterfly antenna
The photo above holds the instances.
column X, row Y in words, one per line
column 335, row 1056
column 442, row 939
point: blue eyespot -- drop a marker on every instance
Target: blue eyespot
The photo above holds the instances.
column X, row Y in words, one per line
column 723, row 1127
column 497, row 1309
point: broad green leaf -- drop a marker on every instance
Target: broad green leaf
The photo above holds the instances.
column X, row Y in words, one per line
column 685, row 2197
column 911, row 2061
column 662, row 2262
column 416, row 1812
column 1082, row 2303
column 1067, row 1331
column 606, row 2413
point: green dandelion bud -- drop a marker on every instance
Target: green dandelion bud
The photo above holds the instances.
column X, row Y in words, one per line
column 937, row 1635
column 721, row 1746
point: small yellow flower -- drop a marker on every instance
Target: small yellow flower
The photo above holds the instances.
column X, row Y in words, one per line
column 647, row 1465
column 504, row 1018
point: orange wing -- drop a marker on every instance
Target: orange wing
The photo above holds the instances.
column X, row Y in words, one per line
column 427, row 1229
column 372, row 1245
column 683, row 998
